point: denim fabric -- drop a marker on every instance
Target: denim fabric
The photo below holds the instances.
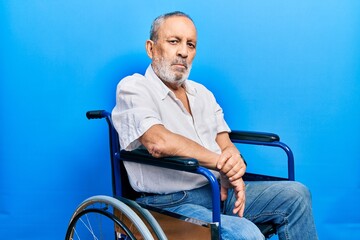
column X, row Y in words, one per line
column 287, row 204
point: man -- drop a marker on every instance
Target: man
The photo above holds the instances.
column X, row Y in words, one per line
column 170, row 115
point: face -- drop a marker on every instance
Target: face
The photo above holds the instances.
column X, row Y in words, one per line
column 173, row 52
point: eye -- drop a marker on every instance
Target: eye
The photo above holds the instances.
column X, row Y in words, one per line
column 191, row 45
column 173, row 41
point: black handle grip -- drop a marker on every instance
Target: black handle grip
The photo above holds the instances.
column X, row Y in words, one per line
column 96, row 114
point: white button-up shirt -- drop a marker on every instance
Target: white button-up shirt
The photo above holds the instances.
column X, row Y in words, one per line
column 143, row 101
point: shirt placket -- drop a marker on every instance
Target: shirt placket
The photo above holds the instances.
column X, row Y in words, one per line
column 193, row 118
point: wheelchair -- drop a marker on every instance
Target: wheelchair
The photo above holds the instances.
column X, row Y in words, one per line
column 121, row 217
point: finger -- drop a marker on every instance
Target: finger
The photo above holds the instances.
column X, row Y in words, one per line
column 230, row 167
column 222, row 160
column 239, row 188
column 233, row 166
column 242, row 210
column 242, row 207
column 223, row 193
column 239, row 210
column 239, row 174
column 239, row 204
column 238, row 207
column 238, row 185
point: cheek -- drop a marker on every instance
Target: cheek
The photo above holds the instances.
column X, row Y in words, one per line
column 161, row 54
column 191, row 57
column 157, row 54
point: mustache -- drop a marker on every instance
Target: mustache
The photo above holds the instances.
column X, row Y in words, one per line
column 181, row 62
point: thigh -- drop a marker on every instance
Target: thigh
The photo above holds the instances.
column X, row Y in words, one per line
column 232, row 227
column 270, row 201
column 200, row 196
column 197, row 204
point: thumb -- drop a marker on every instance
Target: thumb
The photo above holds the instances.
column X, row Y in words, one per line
column 223, row 193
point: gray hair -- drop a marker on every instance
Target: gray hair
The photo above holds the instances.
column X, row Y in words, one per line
column 160, row 19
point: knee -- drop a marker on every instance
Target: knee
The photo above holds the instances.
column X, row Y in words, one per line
column 301, row 191
column 240, row 229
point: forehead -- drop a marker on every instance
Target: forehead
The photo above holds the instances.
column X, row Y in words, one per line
column 178, row 26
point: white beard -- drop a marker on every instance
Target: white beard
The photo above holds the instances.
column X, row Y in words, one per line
column 163, row 69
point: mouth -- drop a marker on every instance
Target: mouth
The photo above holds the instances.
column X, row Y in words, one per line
column 180, row 65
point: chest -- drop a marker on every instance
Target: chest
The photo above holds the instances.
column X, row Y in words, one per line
column 183, row 101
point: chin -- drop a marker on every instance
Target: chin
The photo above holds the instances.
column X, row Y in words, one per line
column 177, row 82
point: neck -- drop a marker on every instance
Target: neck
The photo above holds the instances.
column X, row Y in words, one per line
column 173, row 86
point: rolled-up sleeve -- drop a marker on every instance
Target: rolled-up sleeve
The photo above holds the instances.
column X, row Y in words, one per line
column 220, row 121
column 134, row 112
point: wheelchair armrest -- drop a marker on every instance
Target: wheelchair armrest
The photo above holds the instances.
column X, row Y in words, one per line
column 254, row 136
column 143, row 156
column 266, row 139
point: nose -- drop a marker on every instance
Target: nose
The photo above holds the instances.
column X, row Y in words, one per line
column 182, row 50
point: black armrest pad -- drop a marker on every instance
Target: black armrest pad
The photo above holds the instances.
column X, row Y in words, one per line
column 97, row 114
column 143, row 156
column 260, row 177
column 254, row 136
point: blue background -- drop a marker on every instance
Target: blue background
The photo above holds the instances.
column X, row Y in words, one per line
column 289, row 67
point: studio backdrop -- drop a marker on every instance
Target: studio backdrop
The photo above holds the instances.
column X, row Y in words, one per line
column 288, row 67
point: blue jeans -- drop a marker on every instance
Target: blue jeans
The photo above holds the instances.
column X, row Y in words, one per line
column 284, row 203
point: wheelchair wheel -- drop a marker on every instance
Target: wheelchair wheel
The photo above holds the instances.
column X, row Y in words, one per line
column 104, row 217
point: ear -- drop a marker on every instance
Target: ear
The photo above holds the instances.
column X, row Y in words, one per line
column 149, row 45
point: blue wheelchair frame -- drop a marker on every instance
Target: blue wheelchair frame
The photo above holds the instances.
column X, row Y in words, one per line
column 190, row 165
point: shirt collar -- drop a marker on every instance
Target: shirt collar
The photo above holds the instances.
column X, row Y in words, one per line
column 190, row 89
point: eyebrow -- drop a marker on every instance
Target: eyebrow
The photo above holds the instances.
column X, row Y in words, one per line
column 179, row 38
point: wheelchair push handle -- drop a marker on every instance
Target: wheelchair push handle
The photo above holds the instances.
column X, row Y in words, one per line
column 97, row 114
